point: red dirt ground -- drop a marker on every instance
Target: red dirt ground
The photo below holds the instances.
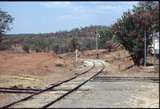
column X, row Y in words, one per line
column 41, row 69
column 33, row 67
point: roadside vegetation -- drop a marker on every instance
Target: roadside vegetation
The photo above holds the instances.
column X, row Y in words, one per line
column 129, row 31
column 59, row 42
column 5, row 21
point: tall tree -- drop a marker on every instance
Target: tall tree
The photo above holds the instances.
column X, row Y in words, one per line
column 5, row 21
column 132, row 25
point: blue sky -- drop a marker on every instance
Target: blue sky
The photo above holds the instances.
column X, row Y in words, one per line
column 44, row 17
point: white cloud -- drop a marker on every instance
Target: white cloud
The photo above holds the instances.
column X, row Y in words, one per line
column 55, row 4
column 79, row 10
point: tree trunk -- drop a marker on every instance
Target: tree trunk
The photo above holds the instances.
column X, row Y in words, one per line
column 0, row 37
column 138, row 58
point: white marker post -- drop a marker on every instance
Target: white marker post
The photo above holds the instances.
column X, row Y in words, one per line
column 76, row 55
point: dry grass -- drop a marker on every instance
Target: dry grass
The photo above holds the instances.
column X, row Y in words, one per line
column 121, row 64
column 34, row 69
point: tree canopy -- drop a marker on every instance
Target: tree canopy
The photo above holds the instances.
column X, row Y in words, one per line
column 130, row 28
column 5, row 21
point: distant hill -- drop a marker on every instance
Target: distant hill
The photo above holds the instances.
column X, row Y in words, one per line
column 88, row 31
column 59, row 42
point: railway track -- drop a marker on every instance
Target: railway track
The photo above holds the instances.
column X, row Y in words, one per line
column 98, row 78
column 119, row 79
column 48, row 96
column 18, row 90
column 25, row 90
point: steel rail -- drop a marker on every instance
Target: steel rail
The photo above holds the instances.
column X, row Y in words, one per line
column 17, row 91
column 47, row 89
column 26, row 91
column 74, row 89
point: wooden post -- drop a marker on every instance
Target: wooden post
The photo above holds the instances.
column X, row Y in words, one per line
column 119, row 67
column 97, row 35
column 145, row 48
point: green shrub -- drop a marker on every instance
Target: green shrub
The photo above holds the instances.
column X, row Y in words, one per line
column 26, row 48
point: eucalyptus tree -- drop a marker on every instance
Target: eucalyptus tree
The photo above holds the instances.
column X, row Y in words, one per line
column 5, row 21
column 130, row 28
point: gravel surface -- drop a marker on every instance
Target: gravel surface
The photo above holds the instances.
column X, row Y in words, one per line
column 6, row 98
column 128, row 94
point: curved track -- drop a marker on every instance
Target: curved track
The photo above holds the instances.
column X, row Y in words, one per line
column 47, row 97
